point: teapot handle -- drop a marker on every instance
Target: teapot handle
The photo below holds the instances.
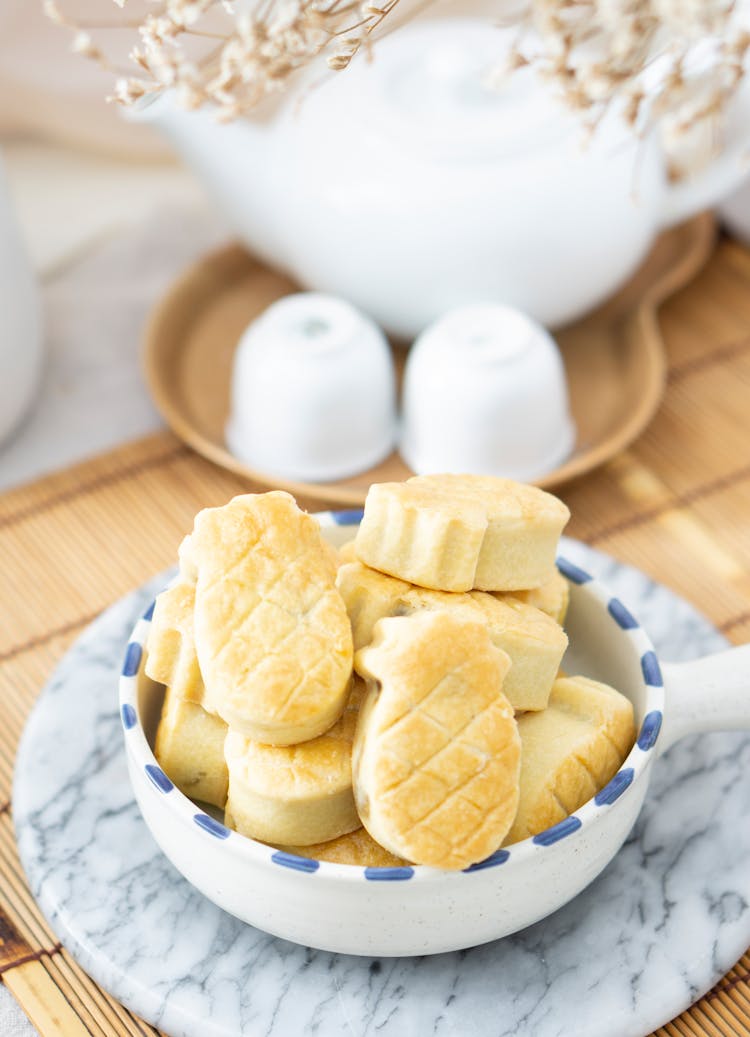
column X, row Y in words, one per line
column 725, row 171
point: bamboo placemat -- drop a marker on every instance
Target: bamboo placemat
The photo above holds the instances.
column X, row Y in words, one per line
column 677, row 505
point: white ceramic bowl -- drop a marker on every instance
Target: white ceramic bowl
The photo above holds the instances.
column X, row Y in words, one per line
column 419, row 910
column 485, row 392
column 313, row 391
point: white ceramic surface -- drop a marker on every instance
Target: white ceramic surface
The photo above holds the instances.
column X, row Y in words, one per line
column 408, row 186
column 420, row 910
column 668, row 916
column 484, row 392
column 313, row 391
column 21, row 352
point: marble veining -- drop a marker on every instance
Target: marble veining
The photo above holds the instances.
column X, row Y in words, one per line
column 668, row 916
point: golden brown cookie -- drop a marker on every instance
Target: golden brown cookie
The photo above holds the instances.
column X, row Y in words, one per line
column 295, row 794
column 458, row 532
column 552, row 597
column 357, row 848
column 569, row 751
column 369, row 596
column 170, row 656
column 271, row 631
column 190, row 749
column 347, row 552
column 436, row 753
column 534, row 642
column 333, row 552
column 188, row 567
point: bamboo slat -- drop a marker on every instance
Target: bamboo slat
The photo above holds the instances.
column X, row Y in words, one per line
column 676, row 504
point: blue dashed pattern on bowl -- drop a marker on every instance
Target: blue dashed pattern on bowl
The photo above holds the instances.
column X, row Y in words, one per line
column 133, row 654
column 573, row 572
column 159, row 778
column 651, row 670
column 622, row 616
column 129, row 719
column 389, row 874
column 650, row 729
column 496, row 858
column 212, row 826
column 347, row 518
column 559, row 831
column 291, row 860
column 615, row 788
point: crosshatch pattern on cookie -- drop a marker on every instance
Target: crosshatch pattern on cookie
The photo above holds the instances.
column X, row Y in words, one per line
column 437, row 751
column 271, row 631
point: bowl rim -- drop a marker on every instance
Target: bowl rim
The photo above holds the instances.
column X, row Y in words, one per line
column 581, row 822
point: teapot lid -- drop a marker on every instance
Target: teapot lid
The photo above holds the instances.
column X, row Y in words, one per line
column 433, row 87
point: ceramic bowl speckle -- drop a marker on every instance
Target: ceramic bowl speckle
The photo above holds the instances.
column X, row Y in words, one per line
column 420, row 910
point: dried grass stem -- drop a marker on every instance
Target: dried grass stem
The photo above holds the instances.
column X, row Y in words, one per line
column 597, row 52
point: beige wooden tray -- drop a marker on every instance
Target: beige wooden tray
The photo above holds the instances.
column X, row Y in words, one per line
column 613, row 358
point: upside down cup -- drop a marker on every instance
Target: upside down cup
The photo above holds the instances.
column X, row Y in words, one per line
column 313, row 391
column 485, row 393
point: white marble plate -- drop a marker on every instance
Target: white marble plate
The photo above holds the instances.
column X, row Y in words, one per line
column 665, row 920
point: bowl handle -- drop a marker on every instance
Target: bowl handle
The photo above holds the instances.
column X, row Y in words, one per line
column 709, row 694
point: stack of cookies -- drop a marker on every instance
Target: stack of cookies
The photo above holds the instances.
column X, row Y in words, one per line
column 409, row 684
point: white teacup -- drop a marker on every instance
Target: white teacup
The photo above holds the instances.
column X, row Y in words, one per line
column 313, row 391
column 485, row 392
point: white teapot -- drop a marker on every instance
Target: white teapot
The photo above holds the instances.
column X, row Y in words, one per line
column 407, row 185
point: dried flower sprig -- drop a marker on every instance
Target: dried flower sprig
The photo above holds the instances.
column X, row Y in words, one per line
column 678, row 62
column 229, row 53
